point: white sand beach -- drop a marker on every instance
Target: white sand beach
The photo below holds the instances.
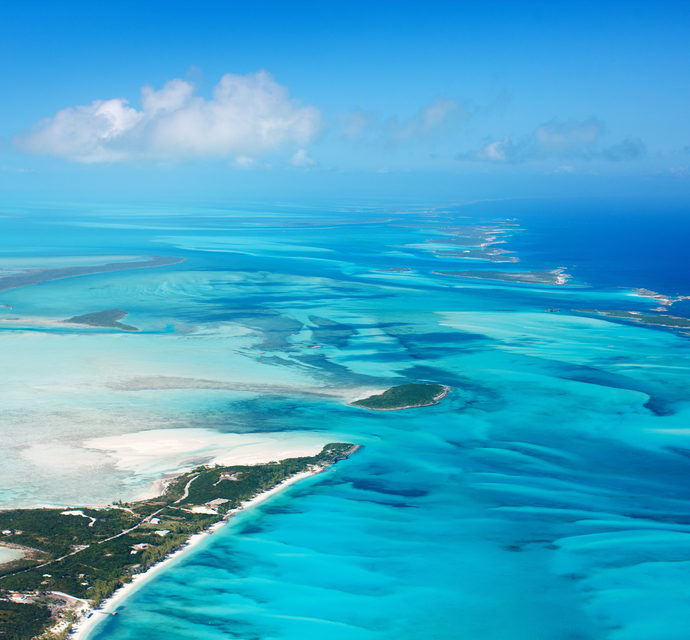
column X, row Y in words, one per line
column 90, row 618
column 155, row 455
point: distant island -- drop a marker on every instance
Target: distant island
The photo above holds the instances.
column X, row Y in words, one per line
column 550, row 276
column 28, row 277
column 474, row 242
column 660, row 320
column 57, row 564
column 405, row 396
column 493, row 255
column 663, row 300
column 109, row 318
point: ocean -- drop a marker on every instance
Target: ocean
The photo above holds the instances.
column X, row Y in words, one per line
column 545, row 498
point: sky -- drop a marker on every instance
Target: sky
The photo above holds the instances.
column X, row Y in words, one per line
column 451, row 100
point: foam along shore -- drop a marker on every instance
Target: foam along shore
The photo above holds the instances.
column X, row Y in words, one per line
column 90, row 617
column 667, row 300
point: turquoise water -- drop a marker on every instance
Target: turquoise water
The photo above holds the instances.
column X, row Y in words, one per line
column 545, row 498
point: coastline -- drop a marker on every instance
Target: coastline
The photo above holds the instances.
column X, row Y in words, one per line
column 436, row 399
column 90, row 616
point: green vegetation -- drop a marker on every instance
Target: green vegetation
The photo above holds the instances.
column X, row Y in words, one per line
column 674, row 322
column 19, row 621
column 86, row 559
column 108, row 318
column 406, row 396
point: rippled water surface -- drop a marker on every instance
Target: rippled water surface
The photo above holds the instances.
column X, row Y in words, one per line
column 545, row 498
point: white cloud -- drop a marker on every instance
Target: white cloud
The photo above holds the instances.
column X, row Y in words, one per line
column 552, row 139
column 355, row 123
column 496, row 151
column 429, row 118
column 301, row 159
column 248, row 116
column 434, row 114
column 244, row 162
column 557, row 140
column 560, row 137
column 565, row 168
column 627, row 149
column 6, row 169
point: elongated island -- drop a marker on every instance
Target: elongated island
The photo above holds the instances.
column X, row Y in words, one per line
column 63, row 563
column 405, row 396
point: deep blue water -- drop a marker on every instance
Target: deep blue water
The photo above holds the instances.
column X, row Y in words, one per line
column 609, row 243
column 545, row 498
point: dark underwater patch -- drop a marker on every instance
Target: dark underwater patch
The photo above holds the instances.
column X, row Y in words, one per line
column 657, row 404
column 250, row 529
column 378, row 487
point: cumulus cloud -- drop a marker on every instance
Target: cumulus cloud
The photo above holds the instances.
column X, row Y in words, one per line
column 434, row 114
column 566, row 137
column 354, row 123
column 497, row 151
column 628, row 149
column 429, row 118
column 243, row 162
column 247, row 117
column 302, row 159
column 559, row 140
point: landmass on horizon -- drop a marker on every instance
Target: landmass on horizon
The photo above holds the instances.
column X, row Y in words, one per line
column 657, row 320
column 551, row 276
column 27, row 277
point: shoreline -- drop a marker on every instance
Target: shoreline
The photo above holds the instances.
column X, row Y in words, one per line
column 91, row 616
column 436, row 399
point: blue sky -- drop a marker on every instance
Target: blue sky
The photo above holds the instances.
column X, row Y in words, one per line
column 459, row 100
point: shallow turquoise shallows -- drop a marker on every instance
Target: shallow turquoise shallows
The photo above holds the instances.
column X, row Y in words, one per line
column 546, row 498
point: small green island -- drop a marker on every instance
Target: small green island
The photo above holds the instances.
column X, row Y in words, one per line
column 110, row 318
column 405, row 396
column 66, row 561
